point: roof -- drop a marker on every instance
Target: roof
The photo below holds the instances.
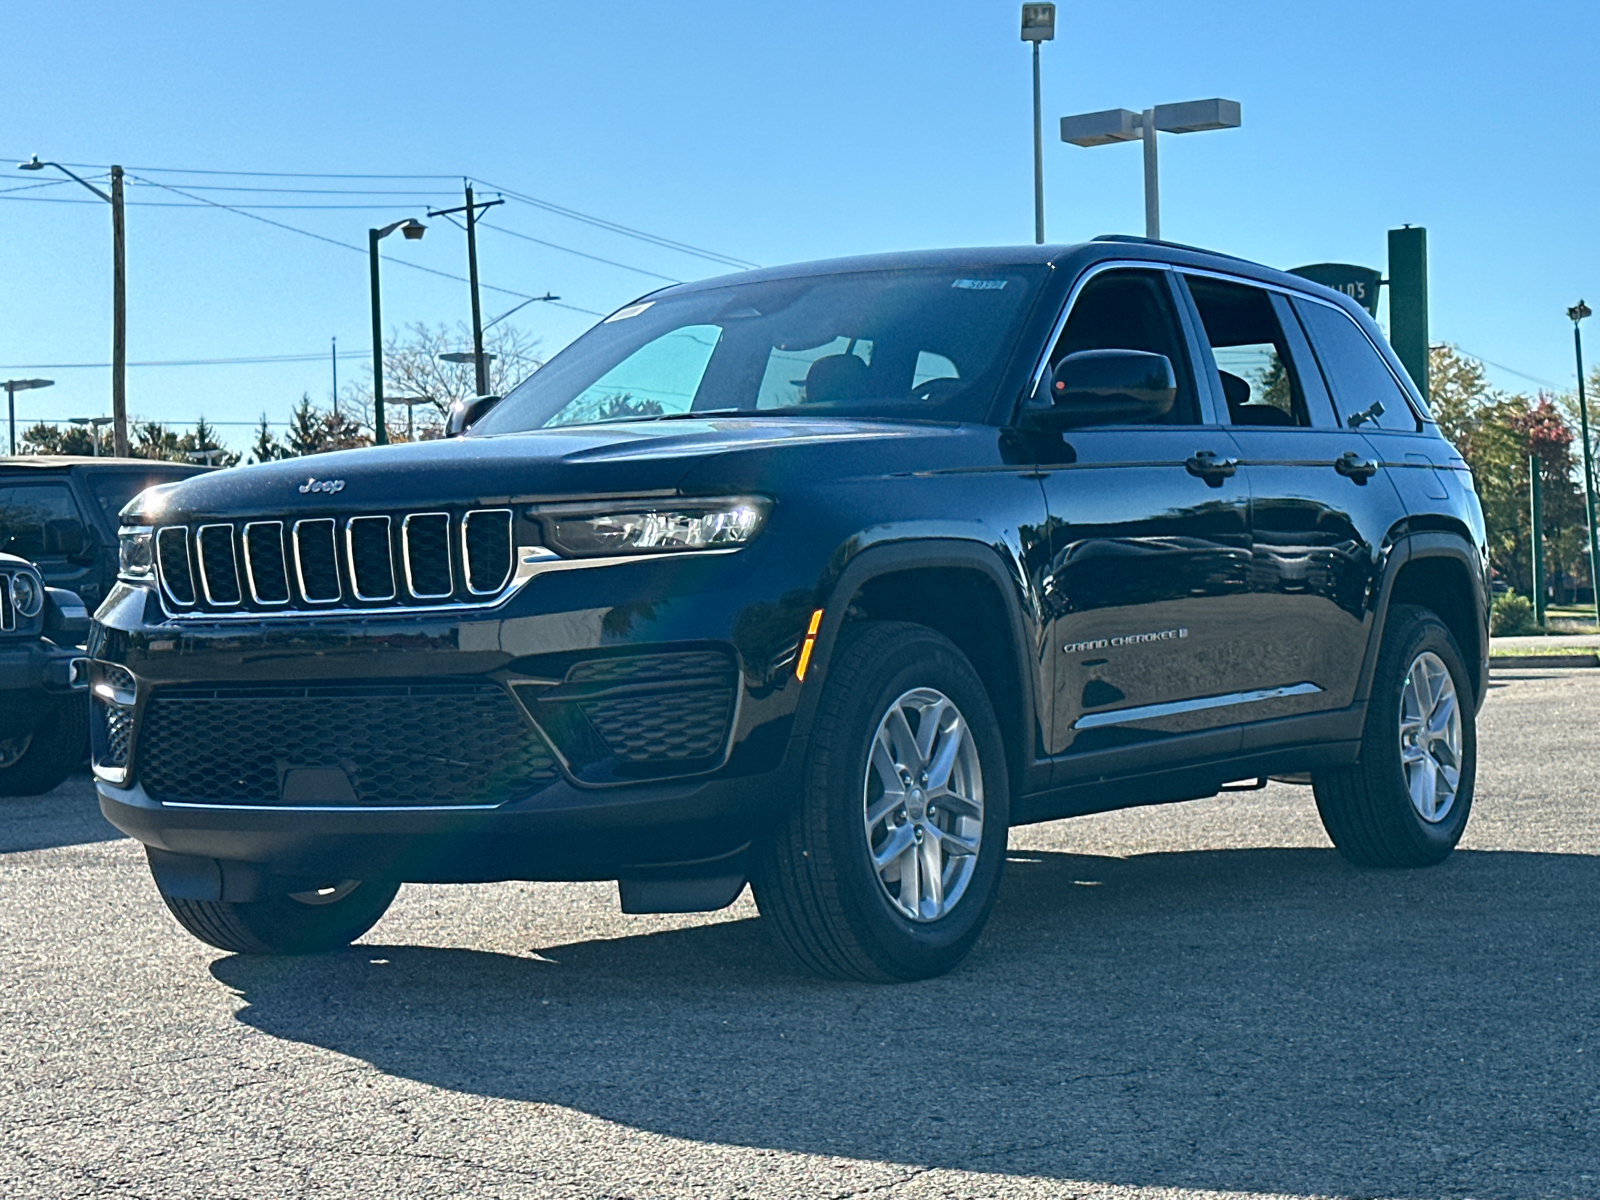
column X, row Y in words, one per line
column 62, row 462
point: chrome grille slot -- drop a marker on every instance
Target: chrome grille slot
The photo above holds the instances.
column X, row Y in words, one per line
column 486, row 549
column 316, row 560
column 371, row 560
column 219, row 568
column 172, row 559
column 427, row 555
column 264, row 563
column 8, row 614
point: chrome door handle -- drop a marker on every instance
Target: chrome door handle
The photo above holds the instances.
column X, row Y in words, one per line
column 1352, row 466
column 1205, row 464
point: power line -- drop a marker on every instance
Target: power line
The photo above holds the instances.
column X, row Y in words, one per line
column 192, row 362
column 1512, row 370
column 254, row 174
column 482, row 224
column 397, row 206
column 615, row 227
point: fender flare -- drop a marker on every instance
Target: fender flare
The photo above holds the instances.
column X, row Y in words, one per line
column 886, row 558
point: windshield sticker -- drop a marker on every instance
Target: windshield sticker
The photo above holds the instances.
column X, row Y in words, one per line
column 980, row 285
column 622, row 314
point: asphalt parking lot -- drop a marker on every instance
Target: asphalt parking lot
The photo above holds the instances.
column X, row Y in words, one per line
column 1177, row 1001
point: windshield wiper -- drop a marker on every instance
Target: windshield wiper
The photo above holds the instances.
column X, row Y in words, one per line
column 690, row 415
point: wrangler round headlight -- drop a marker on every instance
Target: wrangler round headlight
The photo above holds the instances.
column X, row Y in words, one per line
column 724, row 523
column 27, row 594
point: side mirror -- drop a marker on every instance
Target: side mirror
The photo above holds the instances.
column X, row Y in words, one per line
column 1107, row 387
column 463, row 413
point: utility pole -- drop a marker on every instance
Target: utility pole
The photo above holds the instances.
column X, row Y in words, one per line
column 1576, row 313
column 119, row 320
column 479, row 361
column 333, row 358
column 1536, row 520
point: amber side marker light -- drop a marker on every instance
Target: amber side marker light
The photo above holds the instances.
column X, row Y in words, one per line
column 805, row 647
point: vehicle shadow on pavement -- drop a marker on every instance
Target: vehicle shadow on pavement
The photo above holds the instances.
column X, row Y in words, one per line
column 1256, row 1020
column 67, row 816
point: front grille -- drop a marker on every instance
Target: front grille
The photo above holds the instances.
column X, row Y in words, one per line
column 423, row 743
column 420, row 559
column 8, row 612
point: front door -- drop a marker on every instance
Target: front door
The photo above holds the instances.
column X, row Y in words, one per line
column 1149, row 546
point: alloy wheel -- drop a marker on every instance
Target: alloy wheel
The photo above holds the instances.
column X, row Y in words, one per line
column 1430, row 737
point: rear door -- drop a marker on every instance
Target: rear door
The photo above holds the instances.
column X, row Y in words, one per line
column 1321, row 505
column 1149, row 544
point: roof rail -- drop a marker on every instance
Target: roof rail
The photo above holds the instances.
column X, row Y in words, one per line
column 1144, row 241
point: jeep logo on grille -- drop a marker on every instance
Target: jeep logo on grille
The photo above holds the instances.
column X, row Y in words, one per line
column 330, row 486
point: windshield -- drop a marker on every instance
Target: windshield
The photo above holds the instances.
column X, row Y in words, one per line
column 922, row 343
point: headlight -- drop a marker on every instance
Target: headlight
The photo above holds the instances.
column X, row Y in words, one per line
column 725, row 523
column 27, row 594
column 133, row 554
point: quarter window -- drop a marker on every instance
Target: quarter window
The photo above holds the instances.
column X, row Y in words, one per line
column 1365, row 392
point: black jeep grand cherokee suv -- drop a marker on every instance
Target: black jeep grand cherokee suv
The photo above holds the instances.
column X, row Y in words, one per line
column 819, row 577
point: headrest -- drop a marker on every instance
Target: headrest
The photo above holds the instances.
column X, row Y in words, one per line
column 1235, row 389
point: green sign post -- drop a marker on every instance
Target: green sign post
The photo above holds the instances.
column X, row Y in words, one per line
column 1359, row 283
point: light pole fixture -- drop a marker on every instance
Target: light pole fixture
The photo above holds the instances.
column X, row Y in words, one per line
column 411, row 403
column 119, row 295
column 13, row 386
column 1125, row 125
column 208, row 457
column 411, row 229
column 94, row 424
column 1038, row 25
column 471, row 207
column 1575, row 314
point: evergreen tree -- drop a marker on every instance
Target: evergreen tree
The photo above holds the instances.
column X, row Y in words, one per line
column 267, row 448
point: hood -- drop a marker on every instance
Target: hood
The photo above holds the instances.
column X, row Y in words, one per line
column 647, row 456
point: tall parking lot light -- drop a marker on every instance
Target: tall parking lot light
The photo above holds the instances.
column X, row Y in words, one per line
column 93, row 424
column 412, row 229
column 13, row 386
column 1038, row 25
column 1125, row 125
column 1576, row 313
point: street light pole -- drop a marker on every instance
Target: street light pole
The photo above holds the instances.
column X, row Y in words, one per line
column 119, row 307
column 1038, row 25
column 13, row 386
column 1125, row 125
column 479, row 360
column 1576, row 313
column 412, row 229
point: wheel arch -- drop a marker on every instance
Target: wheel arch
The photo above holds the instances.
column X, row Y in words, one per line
column 960, row 589
column 1441, row 571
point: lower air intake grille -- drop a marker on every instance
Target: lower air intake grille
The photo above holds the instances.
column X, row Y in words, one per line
column 432, row 743
column 116, row 726
column 645, row 728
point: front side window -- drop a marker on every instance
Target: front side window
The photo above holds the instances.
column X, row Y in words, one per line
column 921, row 343
column 1364, row 391
column 1131, row 310
column 1259, row 377
column 39, row 521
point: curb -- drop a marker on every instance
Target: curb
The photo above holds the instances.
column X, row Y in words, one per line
column 1513, row 661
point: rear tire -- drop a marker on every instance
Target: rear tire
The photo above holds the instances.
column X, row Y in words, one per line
column 55, row 750
column 1405, row 803
column 889, row 866
column 306, row 922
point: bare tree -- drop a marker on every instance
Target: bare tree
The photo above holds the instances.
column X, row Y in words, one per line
column 412, row 367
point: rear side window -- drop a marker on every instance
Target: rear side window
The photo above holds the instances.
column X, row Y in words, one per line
column 1260, row 379
column 1131, row 310
column 113, row 489
column 1364, row 390
column 39, row 521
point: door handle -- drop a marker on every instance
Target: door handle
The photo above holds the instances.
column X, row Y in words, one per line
column 1352, row 466
column 1205, row 464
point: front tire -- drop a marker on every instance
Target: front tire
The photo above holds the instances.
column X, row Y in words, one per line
column 51, row 753
column 889, row 866
column 1406, row 801
column 309, row 921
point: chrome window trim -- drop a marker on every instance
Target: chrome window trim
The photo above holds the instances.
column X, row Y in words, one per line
column 1056, row 330
column 405, row 552
column 1404, row 385
column 165, row 590
column 233, row 555
column 350, row 555
column 511, row 549
column 333, row 544
column 249, row 570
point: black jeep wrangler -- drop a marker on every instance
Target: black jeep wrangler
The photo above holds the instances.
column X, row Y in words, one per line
column 820, row 578
column 42, row 677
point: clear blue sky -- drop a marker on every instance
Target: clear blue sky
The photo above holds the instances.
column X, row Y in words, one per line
column 766, row 132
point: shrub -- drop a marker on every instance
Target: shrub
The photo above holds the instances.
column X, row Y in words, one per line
column 1511, row 614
